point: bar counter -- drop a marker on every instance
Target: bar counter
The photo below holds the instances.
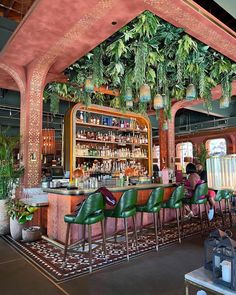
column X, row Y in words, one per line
column 63, row 201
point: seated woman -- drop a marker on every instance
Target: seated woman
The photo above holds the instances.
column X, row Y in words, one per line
column 211, row 194
column 190, row 184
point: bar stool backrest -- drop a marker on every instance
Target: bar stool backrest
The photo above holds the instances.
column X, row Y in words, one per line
column 177, row 196
column 200, row 191
column 93, row 205
column 126, row 203
column 155, row 199
column 223, row 194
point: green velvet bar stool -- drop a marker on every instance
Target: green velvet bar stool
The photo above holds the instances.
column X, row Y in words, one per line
column 200, row 198
column 153, row 205
column 227, row 197
column 218, row 198
column 91, row 212
column 175, row 202
column 126, row 207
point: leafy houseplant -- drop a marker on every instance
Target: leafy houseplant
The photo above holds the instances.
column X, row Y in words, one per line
column 9, row 173
column 19, row 214
column 201, row 155
column 9, row 176
column 16, row 209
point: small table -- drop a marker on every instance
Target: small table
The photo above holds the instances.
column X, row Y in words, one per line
column 202, row 278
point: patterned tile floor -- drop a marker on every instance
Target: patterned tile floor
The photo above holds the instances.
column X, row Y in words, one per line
column 48, row 257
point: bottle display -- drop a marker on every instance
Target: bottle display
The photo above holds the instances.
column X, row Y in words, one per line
column 104, row 143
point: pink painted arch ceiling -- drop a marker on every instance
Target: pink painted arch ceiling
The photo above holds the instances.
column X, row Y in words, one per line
column 66, row 30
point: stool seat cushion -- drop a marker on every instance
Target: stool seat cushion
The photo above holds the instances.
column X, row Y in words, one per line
column 90, row 219
column 171, row 205
column 127, row 212
column 144, row 208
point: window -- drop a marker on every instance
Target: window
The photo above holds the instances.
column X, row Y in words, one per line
column 216, row 147
column 184, row 152
column 156, row 155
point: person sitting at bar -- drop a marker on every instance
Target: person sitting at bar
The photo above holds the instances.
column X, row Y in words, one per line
column 190, row 184
column 211, row 194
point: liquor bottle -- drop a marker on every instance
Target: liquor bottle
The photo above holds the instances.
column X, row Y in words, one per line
column 81, row 117
column 85, row 117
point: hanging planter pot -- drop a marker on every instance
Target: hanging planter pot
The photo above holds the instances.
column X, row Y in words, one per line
column 158, row 102
column 128, row 94
column 191, row 92
column 129, row 104
column 165, row 126
column 224, row 102
column 145, row 93
column 89, row 85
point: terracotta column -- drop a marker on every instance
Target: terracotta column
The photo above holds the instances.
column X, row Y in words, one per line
column 163, row 142
column 31, row 124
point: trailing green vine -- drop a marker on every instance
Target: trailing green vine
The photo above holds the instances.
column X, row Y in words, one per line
column 147, row 50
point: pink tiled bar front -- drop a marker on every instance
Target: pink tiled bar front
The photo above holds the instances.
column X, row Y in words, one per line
column 62, row 202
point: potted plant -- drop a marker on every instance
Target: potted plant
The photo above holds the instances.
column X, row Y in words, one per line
column 9, row 177
column 19, row 213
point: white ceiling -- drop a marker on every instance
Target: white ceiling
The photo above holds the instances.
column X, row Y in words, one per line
column 228, row 5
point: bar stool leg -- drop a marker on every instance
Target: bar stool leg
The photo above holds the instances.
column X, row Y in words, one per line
column 90, row 246
column 200, row 215
column 84, row 229
column 160, row 223
column 163, row 217
column 66, row 244
column 177, row 217
column 141, row 225
column 182, row 221
column 135, row 231
column 208, row 221
column 104, row 238
column 155, row 227
column 126, row 238
column 229, row 210
column 222, row 215
column 116, row 223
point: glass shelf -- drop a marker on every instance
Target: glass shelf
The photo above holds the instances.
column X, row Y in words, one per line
column 119, row 158
column 109, row 127
column 111, row 142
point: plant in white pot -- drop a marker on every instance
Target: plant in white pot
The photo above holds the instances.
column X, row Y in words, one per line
column 19, row 213
column 9, row 177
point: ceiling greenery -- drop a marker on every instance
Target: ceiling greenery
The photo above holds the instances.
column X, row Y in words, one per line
column 146, row 51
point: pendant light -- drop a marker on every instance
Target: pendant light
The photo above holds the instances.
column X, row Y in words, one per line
column 158, row 102
column 145, row 93
column 191, row 92
column 89, row 85
column 224, row 102
column 129, row 104
column 128, row 94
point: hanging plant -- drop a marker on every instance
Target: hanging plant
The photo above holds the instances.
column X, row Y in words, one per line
column 150, row 50
column 224, row 102
column 140, row 64
column 165, row 125
column 98, row 67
